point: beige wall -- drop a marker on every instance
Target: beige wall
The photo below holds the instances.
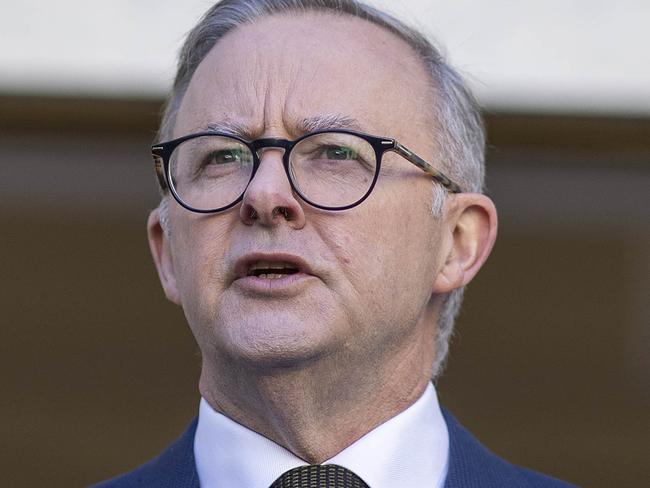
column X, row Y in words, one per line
column 549, row 367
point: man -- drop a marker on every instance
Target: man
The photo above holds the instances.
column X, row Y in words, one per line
column 319, row 267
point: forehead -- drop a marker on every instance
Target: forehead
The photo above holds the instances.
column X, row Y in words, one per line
column 269, row 76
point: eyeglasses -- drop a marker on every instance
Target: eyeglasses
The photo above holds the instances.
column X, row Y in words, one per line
column 209, row 172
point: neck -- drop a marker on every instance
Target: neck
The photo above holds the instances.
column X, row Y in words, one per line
column 317, row 410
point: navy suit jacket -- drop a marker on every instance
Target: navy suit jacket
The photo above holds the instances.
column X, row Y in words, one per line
column 470, row 466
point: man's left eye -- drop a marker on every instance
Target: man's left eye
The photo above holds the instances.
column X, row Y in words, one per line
column 340, row 153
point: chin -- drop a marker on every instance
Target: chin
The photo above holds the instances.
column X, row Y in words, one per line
column 277, row 341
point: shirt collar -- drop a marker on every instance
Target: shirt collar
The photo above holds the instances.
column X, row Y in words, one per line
column 410, row 449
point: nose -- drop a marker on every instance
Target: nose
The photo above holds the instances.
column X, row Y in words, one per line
column 269, row 199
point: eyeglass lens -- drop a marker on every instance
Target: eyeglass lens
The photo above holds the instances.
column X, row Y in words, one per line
column 328, row 169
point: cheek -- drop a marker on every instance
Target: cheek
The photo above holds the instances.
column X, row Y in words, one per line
column 384, row 286
column 382, row 251
column 198, row 249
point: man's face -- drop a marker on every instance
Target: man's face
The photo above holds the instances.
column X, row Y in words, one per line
column 367, row 273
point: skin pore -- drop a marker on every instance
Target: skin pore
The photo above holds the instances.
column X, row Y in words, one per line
column 318, row 364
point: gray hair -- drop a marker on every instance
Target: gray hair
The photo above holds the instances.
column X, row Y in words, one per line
column 459, row 132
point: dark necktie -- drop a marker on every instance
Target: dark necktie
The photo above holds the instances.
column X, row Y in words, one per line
column 319, row 476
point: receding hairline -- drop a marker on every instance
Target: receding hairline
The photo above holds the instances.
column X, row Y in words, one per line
column 294, row 13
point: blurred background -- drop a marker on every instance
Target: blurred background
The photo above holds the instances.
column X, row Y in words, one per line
column 551, row 364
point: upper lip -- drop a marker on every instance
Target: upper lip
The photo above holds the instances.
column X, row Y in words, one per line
column 244, row 264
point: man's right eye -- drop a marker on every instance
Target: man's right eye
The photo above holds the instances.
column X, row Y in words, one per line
column 224, row 156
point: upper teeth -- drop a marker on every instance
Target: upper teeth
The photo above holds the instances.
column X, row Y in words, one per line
column 271, row 276
column 270, row 267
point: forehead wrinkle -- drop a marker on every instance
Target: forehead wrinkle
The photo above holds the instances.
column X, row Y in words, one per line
column 271, row 85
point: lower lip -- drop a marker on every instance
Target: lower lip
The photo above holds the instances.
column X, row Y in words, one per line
column 287, row 285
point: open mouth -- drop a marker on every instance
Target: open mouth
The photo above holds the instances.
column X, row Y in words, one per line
column 271, row 270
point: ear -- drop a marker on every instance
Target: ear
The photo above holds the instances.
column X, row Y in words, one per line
column 471, row 229
column 162, row 258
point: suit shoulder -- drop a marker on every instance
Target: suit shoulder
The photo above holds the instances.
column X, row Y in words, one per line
column 533, row 479
column 473, row 465
column 173, row 468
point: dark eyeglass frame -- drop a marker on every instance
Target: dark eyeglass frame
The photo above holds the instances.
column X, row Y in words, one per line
column 162, row 154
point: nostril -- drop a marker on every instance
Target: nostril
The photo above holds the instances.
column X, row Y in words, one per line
column 281, row 210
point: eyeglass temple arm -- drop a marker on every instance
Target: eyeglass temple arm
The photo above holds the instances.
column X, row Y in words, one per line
column 159, row 167
column 423, row 165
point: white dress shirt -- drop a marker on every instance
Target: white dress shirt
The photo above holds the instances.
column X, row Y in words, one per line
column 409, row 450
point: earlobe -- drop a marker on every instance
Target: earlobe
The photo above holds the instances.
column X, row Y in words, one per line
column 161, row 253
column 472, row 230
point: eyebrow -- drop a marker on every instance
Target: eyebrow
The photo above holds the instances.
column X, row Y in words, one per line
column 228, row 127
column 305, row 125
column 328, row 121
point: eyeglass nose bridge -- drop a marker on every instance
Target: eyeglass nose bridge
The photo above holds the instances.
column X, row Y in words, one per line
column 272, row 142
